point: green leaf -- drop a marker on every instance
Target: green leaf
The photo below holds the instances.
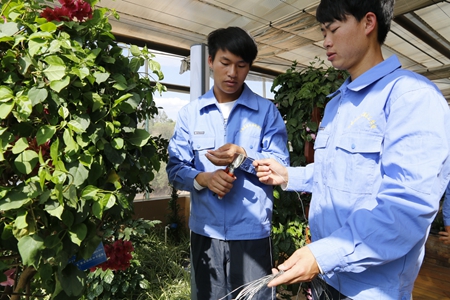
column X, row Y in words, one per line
column 44, row 134
column 55, row 72
column 9, row 28
column 71, row 145
column 117, row 143
column 89, row 192
column 54, row 209
column 26, row 161
column 114, row 156
column 101, row 77
column 58, row 85
column 144, row 284
column 54, row 150
column 80, row 123
column 75, row 126
column 81, row 72
column 24, row 62
column 136, row 63
column 29, row 249
column 14, row 200
column 86, row 159
column 24, row 108
column 55, row 46
column 97, row 210
column 4, row 191
column 52, row 241
column 6, row 94
column 121, row 99
column 71, row 196
column 71, row 280
column 121, row 82
column 79, row 173
column 35, row 46
column 5, row 109
column 37, row 95
column 108, row 201
column 139, row 138
column 77, row 233
column 135, row 51
column 39, row 35
column 109, row 276
column 98, row 102
column 21, row 220
column 48, row 27
column 63, row 112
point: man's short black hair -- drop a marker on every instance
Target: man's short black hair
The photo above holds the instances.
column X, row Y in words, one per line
column 234, row 39
column 332, row 10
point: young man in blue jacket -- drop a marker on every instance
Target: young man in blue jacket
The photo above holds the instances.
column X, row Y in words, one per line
column 230, row 218
column 381, row 165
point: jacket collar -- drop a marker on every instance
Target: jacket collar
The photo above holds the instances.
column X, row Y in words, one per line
column 247, row 98
column 367, row 78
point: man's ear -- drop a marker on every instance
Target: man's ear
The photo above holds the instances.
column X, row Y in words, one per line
column 371, row 22
column 210, row 61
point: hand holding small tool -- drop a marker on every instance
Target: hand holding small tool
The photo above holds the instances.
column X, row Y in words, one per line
column 271, row 172
column 224, row 155
column 219, row 182
column 229, row 155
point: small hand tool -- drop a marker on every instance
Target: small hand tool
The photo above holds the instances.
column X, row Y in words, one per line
column 234, row 165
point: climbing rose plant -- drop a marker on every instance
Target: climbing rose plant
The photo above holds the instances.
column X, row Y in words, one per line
column 73, row 153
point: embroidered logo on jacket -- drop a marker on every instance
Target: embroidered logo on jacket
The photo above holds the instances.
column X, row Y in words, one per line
column 249, row 125
column 368, row 117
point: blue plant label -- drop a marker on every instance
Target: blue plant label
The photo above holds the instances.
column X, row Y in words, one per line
column 98, row 257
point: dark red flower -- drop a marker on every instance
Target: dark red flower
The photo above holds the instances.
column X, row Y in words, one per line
column 119, row 256
column 71, row 10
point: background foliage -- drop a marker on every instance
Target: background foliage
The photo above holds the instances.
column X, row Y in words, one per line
column 299, row 93
column 72, row 151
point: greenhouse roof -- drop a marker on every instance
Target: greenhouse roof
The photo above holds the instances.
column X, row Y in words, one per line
column 285, row 30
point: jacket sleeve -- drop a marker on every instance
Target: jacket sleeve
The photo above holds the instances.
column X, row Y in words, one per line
column 180, row 167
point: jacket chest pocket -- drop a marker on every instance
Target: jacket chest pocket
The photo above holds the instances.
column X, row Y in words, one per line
column 250, row 140
column 200, row 145
column 356, row 163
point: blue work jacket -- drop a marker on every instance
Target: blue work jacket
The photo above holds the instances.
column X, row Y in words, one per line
column 381, row 166
column 255, row 124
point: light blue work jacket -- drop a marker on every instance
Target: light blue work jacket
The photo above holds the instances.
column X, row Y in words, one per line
column 255, row 124
column 381, row 166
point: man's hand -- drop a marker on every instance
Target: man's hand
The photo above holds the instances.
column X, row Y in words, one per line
column 271, row 172
column 445, row 235
column 301, row 266
column 219, row 182
column 225, row 154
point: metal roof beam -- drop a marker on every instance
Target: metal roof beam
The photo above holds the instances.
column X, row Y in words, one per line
column 405, row 6
column 436, row 73
column 423, row 35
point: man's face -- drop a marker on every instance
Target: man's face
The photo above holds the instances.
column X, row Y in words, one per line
column 230, row 72
column 345, row 43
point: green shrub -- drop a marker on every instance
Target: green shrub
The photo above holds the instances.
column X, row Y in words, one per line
column 158, row 269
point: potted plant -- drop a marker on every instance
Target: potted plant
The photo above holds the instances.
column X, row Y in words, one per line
column 72, row 152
